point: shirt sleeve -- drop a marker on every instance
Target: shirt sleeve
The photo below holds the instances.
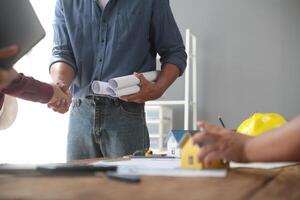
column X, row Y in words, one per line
column 29, row 89
column 166, row 36
column 62, row 49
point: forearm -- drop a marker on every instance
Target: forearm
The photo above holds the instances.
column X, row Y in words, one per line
column 167, row 76
column 28, row 88
column 62, row 73
column 282, row 144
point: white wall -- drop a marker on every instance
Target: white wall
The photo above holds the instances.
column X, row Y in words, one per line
column 249, row 57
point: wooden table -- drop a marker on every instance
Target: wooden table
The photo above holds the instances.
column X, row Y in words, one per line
column 281, row 183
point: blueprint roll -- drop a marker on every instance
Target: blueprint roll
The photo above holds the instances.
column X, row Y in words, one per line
column 123, row 92
column 131, row 80
column 100, row 87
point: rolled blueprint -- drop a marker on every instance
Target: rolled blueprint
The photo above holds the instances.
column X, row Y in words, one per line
column 122, row 86
column 124, row 91
column 100, row 87
column 131, row 80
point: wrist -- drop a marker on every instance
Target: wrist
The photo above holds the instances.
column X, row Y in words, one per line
column 160, row 89
column 247, row 150
column 62, row 73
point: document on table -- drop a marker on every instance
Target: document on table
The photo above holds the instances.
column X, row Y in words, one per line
column 159, row 167
column 121, row 86
column 259, row 165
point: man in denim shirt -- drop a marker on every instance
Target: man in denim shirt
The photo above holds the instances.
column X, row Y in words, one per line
column 101, row 40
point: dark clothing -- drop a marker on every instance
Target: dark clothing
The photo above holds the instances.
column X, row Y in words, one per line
column 109, row 127
column 123, row 38
column 29, row 89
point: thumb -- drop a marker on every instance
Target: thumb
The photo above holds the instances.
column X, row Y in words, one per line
column 142, row 78
column 63, row 87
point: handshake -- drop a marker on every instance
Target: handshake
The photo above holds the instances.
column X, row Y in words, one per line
column 61, row 99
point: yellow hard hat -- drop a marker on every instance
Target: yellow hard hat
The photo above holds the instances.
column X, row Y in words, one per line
column 260, row 122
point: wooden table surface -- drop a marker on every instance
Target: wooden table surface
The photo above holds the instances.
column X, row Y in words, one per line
column 283, row 183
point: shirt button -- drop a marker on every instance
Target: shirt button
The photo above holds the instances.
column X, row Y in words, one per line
column 103, row 40
column 100, row 59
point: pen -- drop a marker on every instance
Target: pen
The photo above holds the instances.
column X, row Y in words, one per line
column 221, row 121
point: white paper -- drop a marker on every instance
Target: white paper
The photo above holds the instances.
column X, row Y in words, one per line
column 154, row 163
column 100, row 87
column 220, row 173
column 159, row 167
column 124, row 91
column 122, row 86
column 131, row 80
column 18, row 167
column 259, row 165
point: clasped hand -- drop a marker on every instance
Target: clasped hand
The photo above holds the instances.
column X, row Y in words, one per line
column 61, row 99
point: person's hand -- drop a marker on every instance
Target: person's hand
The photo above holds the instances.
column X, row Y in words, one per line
column 7, row 75
column 61, row 99
column 227, row 144
column 8, row 52
column 149, row 91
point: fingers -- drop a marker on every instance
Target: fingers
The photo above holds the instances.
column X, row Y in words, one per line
column 212, row 151
column 148, row 91
column 142, row 95
column 209, row 132
column 130, row 98
column 137, row 98
column 60, row 108
column 8, row 52
column 210, row 127
column 207, row 149
column 204, row 136
column 143, row 80
column 211, row 157
column 61, row 99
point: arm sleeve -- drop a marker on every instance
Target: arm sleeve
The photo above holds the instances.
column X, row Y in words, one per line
column 166, row 36
column 62, row 49
column 29, row 89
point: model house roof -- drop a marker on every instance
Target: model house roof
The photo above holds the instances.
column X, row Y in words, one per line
column 188, row 135
column 178, row 134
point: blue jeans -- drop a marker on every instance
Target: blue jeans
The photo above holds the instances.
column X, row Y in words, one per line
column 105, row 127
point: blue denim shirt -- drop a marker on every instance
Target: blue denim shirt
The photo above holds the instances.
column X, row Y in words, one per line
column 123, row 38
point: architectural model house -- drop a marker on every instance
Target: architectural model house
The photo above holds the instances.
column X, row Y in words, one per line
column 173, row 139
column 189, row 155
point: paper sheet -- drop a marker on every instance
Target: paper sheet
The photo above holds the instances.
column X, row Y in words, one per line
column 122, row 86
column 159, row 167
column 100, row 87
column 258, row 165
column 130, row 80
column 124, row 91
